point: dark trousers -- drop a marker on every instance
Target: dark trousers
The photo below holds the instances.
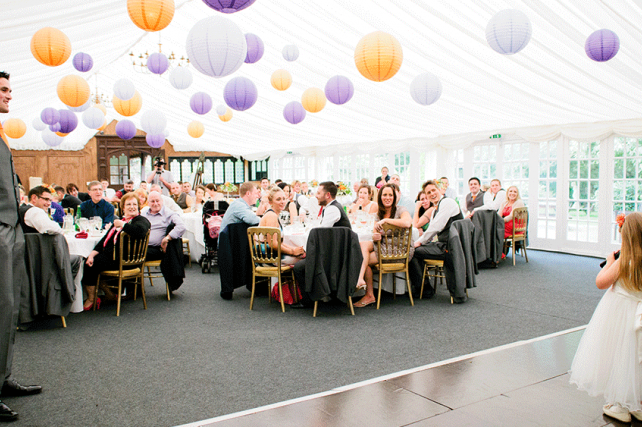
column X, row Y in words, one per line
column 154, row 253
column 431, row 250
column 102, row 262
column 13, row 275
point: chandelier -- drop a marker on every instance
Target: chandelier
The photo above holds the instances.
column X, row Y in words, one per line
column 139, row 60
column 99, row 98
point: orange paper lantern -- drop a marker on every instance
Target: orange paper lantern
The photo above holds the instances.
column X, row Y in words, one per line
column 378, row 56
column 101, row 107
column 73, row 91
column 130, row 107
column 195, row 129
column 313, row 100
column 50, row 46
column 102, row 128
column 227, row 116
column 151, row 15
column 281, row 79
column 14, row 128
column 61, row 134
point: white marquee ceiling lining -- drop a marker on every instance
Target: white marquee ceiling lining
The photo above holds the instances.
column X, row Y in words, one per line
column 548, row 85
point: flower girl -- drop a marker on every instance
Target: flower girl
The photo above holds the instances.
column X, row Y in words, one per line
column 608, row 361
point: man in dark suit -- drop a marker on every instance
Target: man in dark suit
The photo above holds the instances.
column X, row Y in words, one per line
column 475, row 198
column 12, row 263
column 332, row 213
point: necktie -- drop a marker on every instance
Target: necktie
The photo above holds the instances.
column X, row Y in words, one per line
column 321, row 211
column 4, row 137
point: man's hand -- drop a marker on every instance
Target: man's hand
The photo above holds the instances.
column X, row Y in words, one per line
column 164, row 243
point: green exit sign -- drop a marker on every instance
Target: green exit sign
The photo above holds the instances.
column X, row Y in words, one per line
column 288, row 152
column 497, row 135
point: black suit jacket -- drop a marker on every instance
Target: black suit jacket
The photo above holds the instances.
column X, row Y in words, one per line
column 234, row 257
column 137, row 228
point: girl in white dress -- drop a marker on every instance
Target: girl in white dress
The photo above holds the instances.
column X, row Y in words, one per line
column 608, row 361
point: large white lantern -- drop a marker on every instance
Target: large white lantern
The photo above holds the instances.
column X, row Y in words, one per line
column 153, row 121
column 93, row 118
column 124, row 89
column 509, row 31
column 83, row 107
column 38, row 124
column 216, row 46
column 50, row 138
column 181, row 78
column 425, row 88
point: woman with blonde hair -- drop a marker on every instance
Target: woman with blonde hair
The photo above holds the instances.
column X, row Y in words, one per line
column 278, row 200
column 513, row 201
column 364, row 201
column 142, row 197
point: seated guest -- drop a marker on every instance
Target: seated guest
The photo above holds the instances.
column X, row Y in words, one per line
column 212, row 194
column 387, row 212
column 165, row 240
column 182, row 199
column 143, row 185
column 127, row 188
column 186, row 187
column 402, row 200
column 56, row 211
column 60, row 194
column 71, row 200
column 446, row 212
column 475, row 198
column 383, row 179
column 513, row 201
column 97, row 205
column 34, row 219
column 278, row 200
column 105, row 255
column 448, row 191
column 305, row 189
column 108, row 193
column 290, row 206
column 423, row 211
column 494, row 198
column 363, row 202
column 265, row 187
column 332, row 213
column 199, row 199
column 240, row 209
column 142, row 198
column 168, row 202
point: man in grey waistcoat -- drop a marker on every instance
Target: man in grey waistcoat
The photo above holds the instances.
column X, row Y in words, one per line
column 12, row 263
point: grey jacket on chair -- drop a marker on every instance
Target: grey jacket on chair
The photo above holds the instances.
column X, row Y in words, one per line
column 460, row 265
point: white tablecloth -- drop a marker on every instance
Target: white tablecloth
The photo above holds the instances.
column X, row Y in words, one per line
column 82, row 247
column 194, row 233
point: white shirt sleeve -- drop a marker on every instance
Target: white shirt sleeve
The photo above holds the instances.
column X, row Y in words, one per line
column 331, row 215
column 447, row 209
column 38, row 219
column 170, row 204
column 490, row 204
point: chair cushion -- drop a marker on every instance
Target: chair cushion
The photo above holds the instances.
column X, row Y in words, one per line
column 391, row 266
column 155, row 263
column 267, row 270
column 126, row 273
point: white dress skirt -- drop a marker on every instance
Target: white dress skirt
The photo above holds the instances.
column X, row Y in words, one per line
column 608, row 359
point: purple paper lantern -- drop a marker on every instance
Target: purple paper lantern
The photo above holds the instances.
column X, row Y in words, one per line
column 602, row 45
column 157, row 63
column 339, row 90
column 255, row 48
column 50, row 116
column 228, row 6
column 155, row 140
column 55, row 127
column 240, row 93
column 294, row 112
column 68, row 121
column 201, row 103
column 83, row 62
column 126, row 129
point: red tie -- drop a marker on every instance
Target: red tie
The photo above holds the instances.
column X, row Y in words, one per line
column 321, row 211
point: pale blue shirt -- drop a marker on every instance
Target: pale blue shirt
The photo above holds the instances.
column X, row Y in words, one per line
column 239, row 211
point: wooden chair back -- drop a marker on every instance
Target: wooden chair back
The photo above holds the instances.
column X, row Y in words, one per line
column 132, row 251
column 116, row 206
column 264, row 246
column 520, row 221
column 394, row 245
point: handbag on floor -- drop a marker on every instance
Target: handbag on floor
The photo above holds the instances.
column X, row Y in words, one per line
column 291, row 293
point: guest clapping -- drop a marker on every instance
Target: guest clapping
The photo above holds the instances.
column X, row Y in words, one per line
column 364, row 202
column 388, row 212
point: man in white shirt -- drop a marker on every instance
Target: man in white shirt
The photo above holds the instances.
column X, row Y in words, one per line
column 332, row 213
column 168, row 202
column 493, row 198
column 108, row 193
column 446, row 212
column 34, row 219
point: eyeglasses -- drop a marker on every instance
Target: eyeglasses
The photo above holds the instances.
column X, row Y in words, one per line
column 48, row 199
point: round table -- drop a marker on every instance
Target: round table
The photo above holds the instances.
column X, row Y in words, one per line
column 82, row 247
column 194, row 233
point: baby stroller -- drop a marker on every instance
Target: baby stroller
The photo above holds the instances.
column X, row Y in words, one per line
column 212, row 217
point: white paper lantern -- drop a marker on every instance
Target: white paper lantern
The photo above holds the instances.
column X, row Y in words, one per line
column 220, row 110
column 38, row 124
column 425, row 88
column 216, row 46
column 153, row 121
column 51, row 139
column 83, row 107
column 124, row 89
column 93, row 118
column 291, row 52
column 181, row 78
column 509, row 31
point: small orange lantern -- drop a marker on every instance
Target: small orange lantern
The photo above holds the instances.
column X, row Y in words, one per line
column 73, row 91
column 281, row 79
column 14, row 128
column 313, row 100
column 151, row 15
column 227, row 116
column 130, row 107
column 378, row 56
column 195, row 129
column 50, row 46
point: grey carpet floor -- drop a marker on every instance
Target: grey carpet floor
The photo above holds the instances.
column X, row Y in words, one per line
column 198, row 356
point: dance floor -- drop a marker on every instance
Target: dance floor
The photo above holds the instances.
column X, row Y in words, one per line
column 521, row 384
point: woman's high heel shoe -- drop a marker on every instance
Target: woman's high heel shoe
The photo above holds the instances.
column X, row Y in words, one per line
column 97, row 303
